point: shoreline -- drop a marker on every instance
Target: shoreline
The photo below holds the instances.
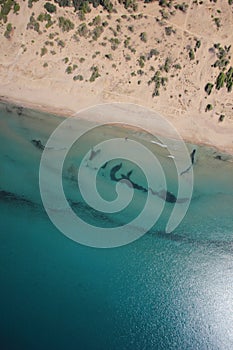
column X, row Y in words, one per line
column 66, row 113
column 37, row 107
column 50, row 69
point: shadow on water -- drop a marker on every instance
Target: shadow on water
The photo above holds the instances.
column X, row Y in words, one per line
column 163, row 194
column 226, row 246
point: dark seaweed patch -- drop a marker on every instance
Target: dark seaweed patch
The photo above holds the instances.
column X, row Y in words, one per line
column 38, row 144
column 12, row 197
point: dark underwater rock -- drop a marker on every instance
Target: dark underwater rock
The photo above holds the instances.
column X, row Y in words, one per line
column 38, row 144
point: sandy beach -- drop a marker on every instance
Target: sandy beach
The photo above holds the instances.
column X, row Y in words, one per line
column 35, row 73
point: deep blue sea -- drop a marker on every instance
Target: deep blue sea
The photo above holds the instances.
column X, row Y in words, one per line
column 164, row 291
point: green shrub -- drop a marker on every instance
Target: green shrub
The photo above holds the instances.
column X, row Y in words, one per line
column 158, row 81
column 97, row 32
column 84, row 7
column 126, row 42
column 140, row 72
column 217, row 22
column 177, row 66
column 43, row 52
column 153, row 52
column 66, row 60
column 129, row 4
column 229, row 79
column 6, row 7
column 141, row 61
column 96, row 21
column 8, row 30
column 167, row 65
column 107, row 5
column 191, row 54
column 209, row 107
column 223, row 56
column 143, row 37
column 132, row 49
column 30, row 3
column 109, row 56
column 43, row 17
column 114, row 43
column 208, row 88
column 118, row 28
column 83, row 30
column 69, row 70
column 105, row 24
column 182, row 7
column 61, row 43
column 16, row 7
column 65, row 24
column 169, row 31
column 78, row 77
column 198, row 44
column 113, row 31
column 81, row 16
column 220, row 80
column 164, row 14
column 131, row 29
column 51, row 8
column 33, row 24
column 127, row 58
column 52, row 36
column 95, row 73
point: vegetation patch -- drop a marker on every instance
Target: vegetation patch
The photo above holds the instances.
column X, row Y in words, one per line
column 34, row 24
column 8, row 31
column 51, row 8
column 30, row 3
column 208, row 88
column 78, row 77
column 95, row 73
column 97, row 32
column 223, row 55
column 65, row 24
column 6, row 7
column 143, row 37
column 158, row 81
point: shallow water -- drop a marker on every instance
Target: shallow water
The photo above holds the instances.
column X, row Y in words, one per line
column 163, row 291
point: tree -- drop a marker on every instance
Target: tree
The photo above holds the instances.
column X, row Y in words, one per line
column 209, row 107
column 208, row 88
column 65, row 24
column 51, row 8
column 220, row 80
column 63, row 3
column 143, row 37
column 7, row 33
column 191, row 54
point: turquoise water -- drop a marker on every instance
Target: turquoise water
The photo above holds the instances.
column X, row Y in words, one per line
column 164, row 291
